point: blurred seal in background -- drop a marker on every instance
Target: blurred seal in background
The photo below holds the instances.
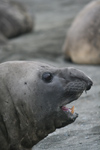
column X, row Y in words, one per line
column 14, row 20
column 82, row 44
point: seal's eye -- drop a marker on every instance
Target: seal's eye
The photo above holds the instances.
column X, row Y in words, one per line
column 47, row 77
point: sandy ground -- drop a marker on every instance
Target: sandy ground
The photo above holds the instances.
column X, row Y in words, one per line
column 53, row 18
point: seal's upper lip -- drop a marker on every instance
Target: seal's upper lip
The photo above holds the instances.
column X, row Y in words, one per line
column 67, row 101
column 64, row 107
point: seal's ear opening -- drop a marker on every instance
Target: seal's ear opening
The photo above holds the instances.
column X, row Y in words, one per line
column 47, row 77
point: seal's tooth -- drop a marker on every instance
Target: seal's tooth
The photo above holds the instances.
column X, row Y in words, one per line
column 72, row 109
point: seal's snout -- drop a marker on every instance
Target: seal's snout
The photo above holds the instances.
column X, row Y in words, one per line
column 81, row 76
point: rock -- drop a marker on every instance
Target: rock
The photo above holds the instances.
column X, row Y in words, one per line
column 82, row 44
column 14, row 19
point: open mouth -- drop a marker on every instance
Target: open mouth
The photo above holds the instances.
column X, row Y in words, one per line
column 66, row 109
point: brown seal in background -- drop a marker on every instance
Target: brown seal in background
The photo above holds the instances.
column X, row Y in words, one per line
column 82, row 44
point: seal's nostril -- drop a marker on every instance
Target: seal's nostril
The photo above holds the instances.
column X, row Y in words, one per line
column 89, row 84
column 88, row 88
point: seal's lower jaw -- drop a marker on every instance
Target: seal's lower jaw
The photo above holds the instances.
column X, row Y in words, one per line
column 64, row 119
column 65, row 115
column 69, row 112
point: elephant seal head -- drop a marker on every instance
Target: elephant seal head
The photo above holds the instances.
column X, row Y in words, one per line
column 33, row 100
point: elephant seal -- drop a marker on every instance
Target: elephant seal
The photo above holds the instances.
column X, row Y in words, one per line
column 82, row 44
column 14, row 19
column 33, row 96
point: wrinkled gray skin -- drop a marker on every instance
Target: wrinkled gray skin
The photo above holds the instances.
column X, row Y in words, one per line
column 14, row 20
column 30, row 107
